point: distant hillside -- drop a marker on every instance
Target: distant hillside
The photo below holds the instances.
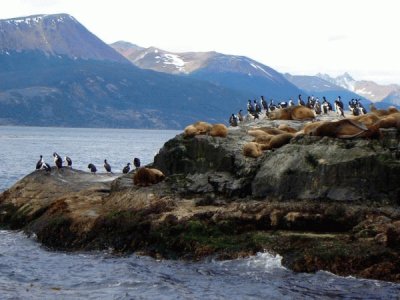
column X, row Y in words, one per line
column 368, row 89
column 55, row 72
column 235, row 72
column 36, row 89
column 319, row 87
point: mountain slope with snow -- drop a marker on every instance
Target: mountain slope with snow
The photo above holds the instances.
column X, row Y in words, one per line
column 235, row 72
column 368, row 89
column 59, row 34
column 54, row 72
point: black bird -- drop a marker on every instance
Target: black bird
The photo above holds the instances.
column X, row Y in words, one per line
column 136, row 162
column 126, row 169
column 46, row 167
column 57, row 160
column 40, row 162
column 92, row 168
column 107, row 166
column 68, row 161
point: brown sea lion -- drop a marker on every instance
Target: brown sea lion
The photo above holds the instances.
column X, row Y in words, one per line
column 278, row 141
column 271, row 130
column 202, row 127
column 287, row 128
column 345, row 128
column 263, row 139
column 219, row 130
column 256, row 132
column 309, row 127
column 292, row 113
column 190, row 131
column 147, row 176
column 392, row 110
column 367, row 119
column 252, row 149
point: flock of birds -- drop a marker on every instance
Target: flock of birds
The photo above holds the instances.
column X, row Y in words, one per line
column 58, row 161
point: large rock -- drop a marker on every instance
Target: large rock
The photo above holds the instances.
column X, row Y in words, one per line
column 321, row 203
column 307, row 168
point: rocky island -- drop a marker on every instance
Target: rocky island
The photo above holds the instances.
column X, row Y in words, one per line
column 322, row 203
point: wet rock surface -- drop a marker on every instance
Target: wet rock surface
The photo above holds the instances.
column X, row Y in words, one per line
column 321, row 203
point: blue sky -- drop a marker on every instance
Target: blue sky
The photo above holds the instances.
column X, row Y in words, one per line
column 295, row 36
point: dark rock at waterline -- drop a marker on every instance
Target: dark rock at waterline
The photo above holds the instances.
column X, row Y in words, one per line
column 321, row 203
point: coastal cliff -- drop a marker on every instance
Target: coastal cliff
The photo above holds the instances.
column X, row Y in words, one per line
column 321, row 203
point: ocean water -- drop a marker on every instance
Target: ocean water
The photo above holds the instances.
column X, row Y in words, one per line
column 29, row 270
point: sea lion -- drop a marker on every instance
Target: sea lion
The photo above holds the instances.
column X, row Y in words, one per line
column 190, row 131
column 278, row 141
column 392, row 110
column 263, row 139
column 252, row 149
column 367, row 119
column 147, row 176
column 256, row 132
column 271, row 130
column 197, row 128
column 219, row 130
column 293, row 113
column 309, row 127
column 202, row 127
column 345, row 128
column 287, row 128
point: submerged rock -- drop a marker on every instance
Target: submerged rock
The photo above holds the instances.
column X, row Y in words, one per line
column 321, row 203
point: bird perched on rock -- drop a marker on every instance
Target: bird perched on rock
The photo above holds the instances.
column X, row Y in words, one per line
column 136, row 162
column 107, row 166
column 126, row 169
column 68, row 161
column 39, row 163
column 46, row 167
column 92, row 168
column 57, row 160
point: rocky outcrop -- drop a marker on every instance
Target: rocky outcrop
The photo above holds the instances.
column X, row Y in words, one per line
column 321, row 203
column 309, row 168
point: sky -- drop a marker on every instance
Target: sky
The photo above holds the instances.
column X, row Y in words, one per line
column 301, row 37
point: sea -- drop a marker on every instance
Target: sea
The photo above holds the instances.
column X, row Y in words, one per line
column 29, row 270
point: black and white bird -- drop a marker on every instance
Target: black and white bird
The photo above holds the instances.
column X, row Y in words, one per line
column 92, row 168
column 68, row 161
column 39, row 163
column 57, row 160
column 46, row 167
column 136, row 162
column 107, row 166
column 126, row 169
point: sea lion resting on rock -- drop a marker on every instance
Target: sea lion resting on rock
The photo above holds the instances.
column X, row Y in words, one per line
column 147, row 176
column 252, row 149
column 262, row 130
column 219, row 130
column 287, row 128
column 292, row 113
column 367, row 119
column 345, row 128
column 278, row 141
column 310, row 127
column 197, row 128
column 389, row 121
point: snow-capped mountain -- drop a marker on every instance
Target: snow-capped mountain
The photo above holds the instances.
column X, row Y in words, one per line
column 368, row 89
column 54, row 72
column 59, row 34
column 320, row 87
column 236, row 72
